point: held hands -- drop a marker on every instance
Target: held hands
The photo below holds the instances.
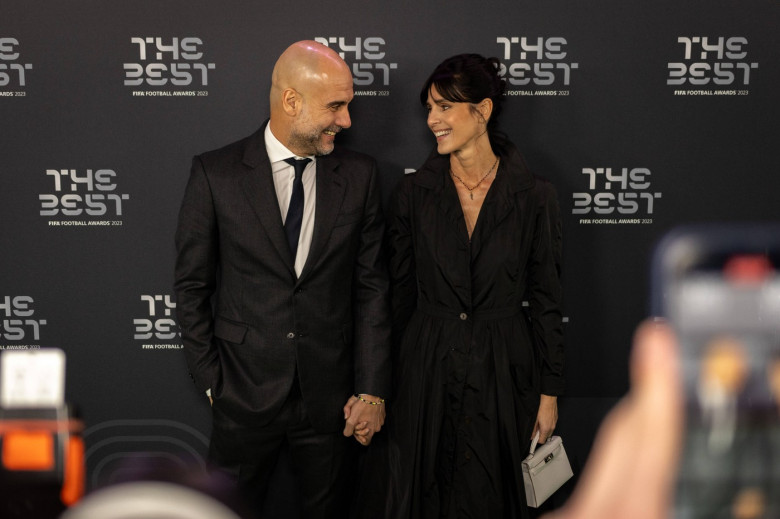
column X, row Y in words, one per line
column 546, row 418
column 365, row 416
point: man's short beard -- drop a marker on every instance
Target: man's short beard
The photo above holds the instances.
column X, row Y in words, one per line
column 310, row 142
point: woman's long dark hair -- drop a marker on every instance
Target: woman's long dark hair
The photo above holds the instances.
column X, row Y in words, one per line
column 470, row 78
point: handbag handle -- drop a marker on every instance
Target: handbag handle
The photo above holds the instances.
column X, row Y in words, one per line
column 534, row 442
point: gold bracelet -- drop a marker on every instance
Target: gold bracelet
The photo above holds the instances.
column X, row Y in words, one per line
column 360, row 397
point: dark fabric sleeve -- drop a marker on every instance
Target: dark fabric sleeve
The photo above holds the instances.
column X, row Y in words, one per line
column 545, row 292
column 372, row 312
column 403, row 276
column 195, row 277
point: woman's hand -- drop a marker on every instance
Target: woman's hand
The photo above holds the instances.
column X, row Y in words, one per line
column 546, row 418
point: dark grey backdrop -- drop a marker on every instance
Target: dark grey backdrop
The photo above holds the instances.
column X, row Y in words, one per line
column 664, row 112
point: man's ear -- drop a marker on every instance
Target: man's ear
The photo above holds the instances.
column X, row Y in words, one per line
column 291, row 101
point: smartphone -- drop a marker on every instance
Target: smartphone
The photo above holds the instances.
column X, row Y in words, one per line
column 719, row 288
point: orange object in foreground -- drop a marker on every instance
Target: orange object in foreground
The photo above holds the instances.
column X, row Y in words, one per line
column 28, row 450
column 42, row 466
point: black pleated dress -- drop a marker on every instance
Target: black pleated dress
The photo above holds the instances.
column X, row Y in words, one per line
column 478, row 323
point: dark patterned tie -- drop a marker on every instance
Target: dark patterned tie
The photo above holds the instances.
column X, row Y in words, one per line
column 292, row 224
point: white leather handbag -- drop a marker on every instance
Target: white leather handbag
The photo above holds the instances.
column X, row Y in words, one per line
column 545, row 470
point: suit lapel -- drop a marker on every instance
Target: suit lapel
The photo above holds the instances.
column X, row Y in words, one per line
column 331, row 188
column 258, row 187
column 497, row 205
column 434, row 177
column 512, row 176
column 441, row 210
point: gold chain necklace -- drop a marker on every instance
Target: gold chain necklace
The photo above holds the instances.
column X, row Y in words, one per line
column 471, row 189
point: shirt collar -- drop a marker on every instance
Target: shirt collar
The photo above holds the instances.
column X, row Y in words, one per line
column 277, row 151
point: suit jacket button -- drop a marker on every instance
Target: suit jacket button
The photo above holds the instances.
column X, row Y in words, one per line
column 291, row 335
column 464, row 316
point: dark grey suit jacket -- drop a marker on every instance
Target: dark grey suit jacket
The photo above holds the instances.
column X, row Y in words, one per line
column 247, row 323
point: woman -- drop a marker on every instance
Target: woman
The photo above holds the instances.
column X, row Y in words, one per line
column 472, row 236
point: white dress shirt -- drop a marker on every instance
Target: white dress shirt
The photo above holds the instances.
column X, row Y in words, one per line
column 284, row 174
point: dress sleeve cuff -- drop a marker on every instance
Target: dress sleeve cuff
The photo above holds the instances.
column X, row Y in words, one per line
column 553, row 385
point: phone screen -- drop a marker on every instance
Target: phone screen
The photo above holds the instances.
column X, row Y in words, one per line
column 725, row 308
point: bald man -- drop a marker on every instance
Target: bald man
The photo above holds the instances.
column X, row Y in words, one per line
column 288, row 334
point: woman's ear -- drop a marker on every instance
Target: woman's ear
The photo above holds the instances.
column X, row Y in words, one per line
column 485, row 108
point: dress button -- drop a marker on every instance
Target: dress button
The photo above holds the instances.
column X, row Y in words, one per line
column 463, row 316
column 291, row 335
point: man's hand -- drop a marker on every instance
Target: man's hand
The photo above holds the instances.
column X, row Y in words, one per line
column 363, row 418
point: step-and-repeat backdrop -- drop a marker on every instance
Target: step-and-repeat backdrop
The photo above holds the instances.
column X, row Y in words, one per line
column 643, row 114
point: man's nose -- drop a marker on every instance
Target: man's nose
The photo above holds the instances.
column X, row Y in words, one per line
column 344, row 120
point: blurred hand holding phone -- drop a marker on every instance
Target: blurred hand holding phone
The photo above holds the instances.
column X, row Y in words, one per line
column 719, row 287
